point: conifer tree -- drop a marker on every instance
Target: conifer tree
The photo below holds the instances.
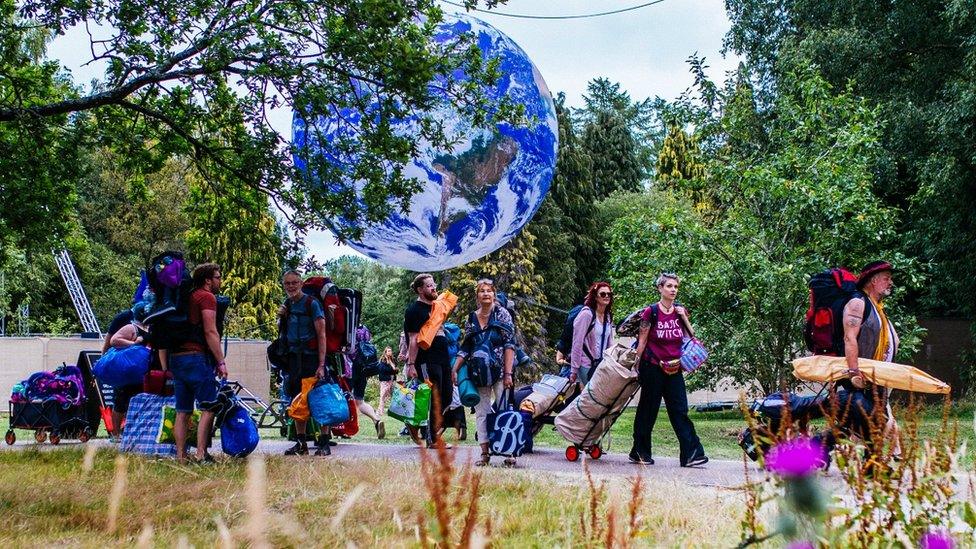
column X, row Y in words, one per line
column 573, row 192
column 512, row 269
column 679, row 167
column 614, row 153
column 555, row 261
column 236, row 230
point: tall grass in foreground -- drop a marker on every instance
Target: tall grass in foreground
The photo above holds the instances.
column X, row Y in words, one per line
column 46, row 499
column 886, row 498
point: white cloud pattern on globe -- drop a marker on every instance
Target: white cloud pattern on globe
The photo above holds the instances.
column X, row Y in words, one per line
column 476, row 196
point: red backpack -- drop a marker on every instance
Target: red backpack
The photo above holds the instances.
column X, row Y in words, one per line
column 336, row 332
column 830, row 291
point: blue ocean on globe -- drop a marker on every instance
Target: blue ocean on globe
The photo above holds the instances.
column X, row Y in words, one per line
column 477, row 195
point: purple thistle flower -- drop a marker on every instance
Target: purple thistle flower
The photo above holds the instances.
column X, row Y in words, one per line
column 937, row 539
column 795, row 458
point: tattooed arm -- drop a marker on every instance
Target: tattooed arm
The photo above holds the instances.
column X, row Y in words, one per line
column 853, row 317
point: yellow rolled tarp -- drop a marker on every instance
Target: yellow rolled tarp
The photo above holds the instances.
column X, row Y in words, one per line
column 886, row 374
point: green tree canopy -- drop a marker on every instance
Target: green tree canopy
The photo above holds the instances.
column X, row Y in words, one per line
column 574, row 193
column 386, row 294
column 202, row 79
column 916, row 61
column 800, row 204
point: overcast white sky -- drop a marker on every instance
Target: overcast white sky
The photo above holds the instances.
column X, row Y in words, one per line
column 645, row 50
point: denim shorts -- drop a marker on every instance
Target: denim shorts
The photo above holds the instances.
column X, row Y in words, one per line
column 194, row 378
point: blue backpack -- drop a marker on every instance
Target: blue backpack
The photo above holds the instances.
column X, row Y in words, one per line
column 367, row 358
column 483, row 366
column 238, row 433
column 565, row 343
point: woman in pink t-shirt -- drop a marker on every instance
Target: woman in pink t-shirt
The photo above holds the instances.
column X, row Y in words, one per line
column 664, row 325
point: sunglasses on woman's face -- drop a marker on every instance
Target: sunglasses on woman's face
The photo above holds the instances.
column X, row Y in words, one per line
column 605, row 294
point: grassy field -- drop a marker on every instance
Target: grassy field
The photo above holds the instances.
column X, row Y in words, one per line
column 48, row 498
column 64, row 496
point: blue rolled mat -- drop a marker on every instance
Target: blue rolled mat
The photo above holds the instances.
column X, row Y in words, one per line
column 466, row 389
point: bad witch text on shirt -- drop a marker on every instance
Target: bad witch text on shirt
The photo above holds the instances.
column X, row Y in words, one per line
column 669, row 329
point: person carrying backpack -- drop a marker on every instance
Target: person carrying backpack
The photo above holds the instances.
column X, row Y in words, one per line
column 593, row 332
column 433, row 363
column 360, row 363
column 302, row 326
column 662, row 330
column 126, row 329
column 869, row 334
column 195, row 364
column 489, row 346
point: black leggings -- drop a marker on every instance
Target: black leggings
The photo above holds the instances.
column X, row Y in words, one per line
column 655, row 385
column 442, row 389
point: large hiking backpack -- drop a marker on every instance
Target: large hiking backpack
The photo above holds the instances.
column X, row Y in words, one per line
column 367, row 358
column 522, row 359
column 168, row 318
column 350, row 300
column 565, row 343
column 630, row 326
column 507, row 304
column 830, row 291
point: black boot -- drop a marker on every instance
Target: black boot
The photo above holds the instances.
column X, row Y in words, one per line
column 299, row 449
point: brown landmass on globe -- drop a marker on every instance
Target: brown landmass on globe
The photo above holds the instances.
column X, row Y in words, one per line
column 471, row 174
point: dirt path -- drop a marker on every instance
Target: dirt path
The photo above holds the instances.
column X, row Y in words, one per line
column 544, row 461
column 717, row 473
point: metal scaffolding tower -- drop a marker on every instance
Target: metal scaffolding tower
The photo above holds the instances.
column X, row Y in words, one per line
column 77, row 292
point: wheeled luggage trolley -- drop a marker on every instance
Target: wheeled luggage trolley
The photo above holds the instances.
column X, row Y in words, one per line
column 50, row 420
column 595, row 449
column 54, row 420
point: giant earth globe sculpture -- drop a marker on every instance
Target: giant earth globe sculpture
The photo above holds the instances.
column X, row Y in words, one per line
column 476, row 196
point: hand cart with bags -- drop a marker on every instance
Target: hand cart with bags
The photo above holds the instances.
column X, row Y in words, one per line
column 53, row 405
column 587, row 420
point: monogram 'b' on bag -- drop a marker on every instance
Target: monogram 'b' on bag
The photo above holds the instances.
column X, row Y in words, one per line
column 508, row 433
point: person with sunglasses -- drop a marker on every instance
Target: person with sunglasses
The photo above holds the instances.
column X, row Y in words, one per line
column 662, row 330
column 593, row 332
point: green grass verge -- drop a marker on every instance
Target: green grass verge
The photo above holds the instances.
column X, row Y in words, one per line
column 48, row 499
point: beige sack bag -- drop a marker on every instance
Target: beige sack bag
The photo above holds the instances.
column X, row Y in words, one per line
column 611, row 386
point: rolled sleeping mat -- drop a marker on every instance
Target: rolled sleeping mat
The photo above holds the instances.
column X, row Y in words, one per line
column 466, row 389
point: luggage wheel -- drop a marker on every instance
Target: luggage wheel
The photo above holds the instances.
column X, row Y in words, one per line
column 55, row 438
column 85, row 435
column 10, row 438
column 595, row 452
column 572, row 453
column 40, row 436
